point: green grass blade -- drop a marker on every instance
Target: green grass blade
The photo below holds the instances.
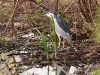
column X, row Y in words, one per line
column 54, row 36
column 45, row 45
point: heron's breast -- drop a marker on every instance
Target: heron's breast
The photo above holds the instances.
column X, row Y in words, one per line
column 58, row 29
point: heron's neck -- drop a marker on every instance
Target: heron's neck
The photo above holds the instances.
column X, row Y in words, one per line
column 53, row 16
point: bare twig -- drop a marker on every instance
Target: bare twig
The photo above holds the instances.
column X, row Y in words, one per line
column 72, row 2
column 57, row 4
column 16, row 6
column 40, row 5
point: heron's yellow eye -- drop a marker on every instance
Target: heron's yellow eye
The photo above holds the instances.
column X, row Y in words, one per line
column 49, row 13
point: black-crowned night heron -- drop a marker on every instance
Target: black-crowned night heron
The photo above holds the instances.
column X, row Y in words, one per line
column 61, row 27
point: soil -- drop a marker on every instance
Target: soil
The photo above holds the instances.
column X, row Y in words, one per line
column 83, row 54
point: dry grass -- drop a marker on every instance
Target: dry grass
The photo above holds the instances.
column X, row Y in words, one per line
column 78, row 13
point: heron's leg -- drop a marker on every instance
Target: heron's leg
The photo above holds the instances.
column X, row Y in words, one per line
column 64, row 42
column 59, row 40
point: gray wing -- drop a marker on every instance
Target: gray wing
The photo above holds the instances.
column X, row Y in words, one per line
column 64, row 27
column 62, row 24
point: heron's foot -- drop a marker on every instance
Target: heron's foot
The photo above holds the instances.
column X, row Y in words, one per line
column 64, row 41
column 59, row 45
column 63, row 44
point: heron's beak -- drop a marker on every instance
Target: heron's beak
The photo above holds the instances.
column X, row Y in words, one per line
column 45, row 15
column 48, row 15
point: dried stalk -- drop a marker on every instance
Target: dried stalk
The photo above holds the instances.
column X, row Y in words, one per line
column 13, row 13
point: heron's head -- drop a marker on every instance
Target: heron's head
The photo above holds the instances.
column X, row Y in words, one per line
column 51, row 14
